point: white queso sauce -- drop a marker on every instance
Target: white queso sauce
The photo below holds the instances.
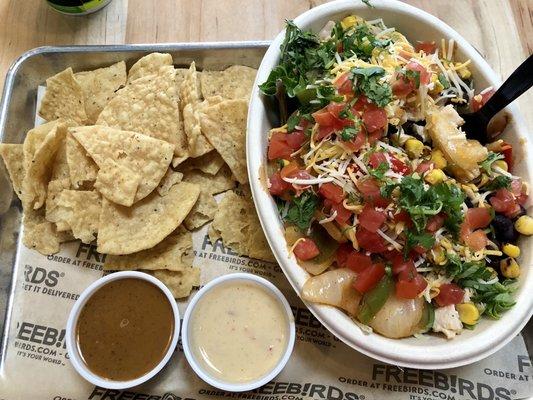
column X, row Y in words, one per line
column 238, row 331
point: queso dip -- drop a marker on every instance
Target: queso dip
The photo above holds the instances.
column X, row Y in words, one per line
column 238, row 331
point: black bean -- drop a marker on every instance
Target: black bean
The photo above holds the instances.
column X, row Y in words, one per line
column 504, row 229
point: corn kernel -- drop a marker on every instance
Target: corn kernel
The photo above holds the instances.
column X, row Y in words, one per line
column 414, row 148
column 285, row 162
column 511, row 250
column 348, row 22
column 501, row 164
column 435, row 176
column 437, row 86
column 524, row 225
column 438, row 159
column 510, row 268
column 468, row 313
column 439, row 257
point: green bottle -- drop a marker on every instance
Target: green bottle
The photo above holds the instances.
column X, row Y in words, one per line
column 77, row 7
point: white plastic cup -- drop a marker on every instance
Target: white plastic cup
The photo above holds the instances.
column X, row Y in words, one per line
column 241, row 386
column 72, row 347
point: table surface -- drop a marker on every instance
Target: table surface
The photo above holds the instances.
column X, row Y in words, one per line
column 502, row 30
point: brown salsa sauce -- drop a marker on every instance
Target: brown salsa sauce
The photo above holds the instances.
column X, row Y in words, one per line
column 125, row 328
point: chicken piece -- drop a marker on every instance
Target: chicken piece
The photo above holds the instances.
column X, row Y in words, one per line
column 462, row 154
column 447, row 321
column 334, row 288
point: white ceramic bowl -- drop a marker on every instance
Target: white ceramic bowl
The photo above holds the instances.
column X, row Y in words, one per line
column 72, row 347
column 434, row 352
column 197, row 367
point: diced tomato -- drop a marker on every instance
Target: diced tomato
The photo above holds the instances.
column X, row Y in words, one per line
column 507, row 151
column 370, row 241
column 377, row 158
column 290, row 169
column 435, row 223
column 424, row 166
column 332, row 192
column 335, row 108
column 391, row 255
column 296, row 139
column 419, row 249
column 344, row 84
column 400, row 265
column 306, row 249
column 375, row 136
column 278, row 147
column 325, row 131
column 370, row 219
column 425, row 76
column 361, row 103
column 357, row 261
column 277, row 185
column 403, row 216
column 324, row 118
column 426, row 47
column 402, row 86
column 341, row 256
column 399, row 166
column 449, row 294
column 476, row 240
column 369, row 277
column 477, row 217
column 504, row 202
column 374, row 118
column 356, row 143
column 343, row 215
column 477, row 104
column 370, row 190
column 411, row 288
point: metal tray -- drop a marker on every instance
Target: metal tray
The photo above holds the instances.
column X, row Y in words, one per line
column 17, row 111
column 17, row 114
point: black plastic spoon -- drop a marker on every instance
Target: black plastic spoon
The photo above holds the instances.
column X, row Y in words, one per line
column 520, row 80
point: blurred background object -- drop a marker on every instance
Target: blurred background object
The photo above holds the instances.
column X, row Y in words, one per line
column 77, row 7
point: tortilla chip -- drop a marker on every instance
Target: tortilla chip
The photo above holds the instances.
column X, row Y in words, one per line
column 149, row 105
column 190, row 88
column 209, row 163
column 117, row 183
column 81, row 167
column 180, row 283
column 80, row 210
column 40, row 234
column 144, row 155
column 13, row 156
column 224, row 126
column 34, row 140
column 126, row 230
column 170, row 179
column 211, row 184
column 149, row 65
column 39, row 172
column 60, row 168
column 174, row 253
column 235, row 82
column 99, row 86
column 55, row 187
column 197, row 144
column 63, row 98
column 205, row 208
column 238, row 225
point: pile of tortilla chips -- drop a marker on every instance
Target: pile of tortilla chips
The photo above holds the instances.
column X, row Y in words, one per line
column 133, row 160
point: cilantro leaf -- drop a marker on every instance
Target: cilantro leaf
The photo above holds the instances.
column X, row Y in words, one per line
column 301, row 210
column 414, row 76
column 413, row 239
column 293, row 120
column 422, row 203
column 380, row 93
column 348, row 133
column 486, row 165
column 379, row 172
column 499, row 182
